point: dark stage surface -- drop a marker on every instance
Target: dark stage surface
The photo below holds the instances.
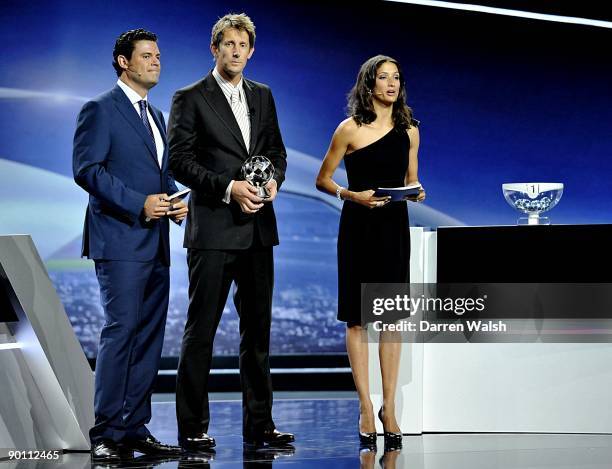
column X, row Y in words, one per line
column 326, row 438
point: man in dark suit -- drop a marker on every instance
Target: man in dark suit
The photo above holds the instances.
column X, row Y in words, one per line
column 120, row 158
column 215, row 125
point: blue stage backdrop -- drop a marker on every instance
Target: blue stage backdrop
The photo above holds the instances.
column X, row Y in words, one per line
column 500, row 100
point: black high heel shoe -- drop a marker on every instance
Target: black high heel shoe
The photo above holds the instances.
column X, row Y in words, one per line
column 366, row 439
column 392, row 440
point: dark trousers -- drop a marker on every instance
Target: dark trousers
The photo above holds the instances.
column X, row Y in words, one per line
column 211, row 273
column 134, row 296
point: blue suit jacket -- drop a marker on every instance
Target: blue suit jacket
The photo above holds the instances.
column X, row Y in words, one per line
column 115, row 161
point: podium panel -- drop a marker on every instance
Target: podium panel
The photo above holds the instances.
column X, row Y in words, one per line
column 46, row 384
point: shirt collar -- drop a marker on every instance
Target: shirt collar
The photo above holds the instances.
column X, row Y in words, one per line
column 130, row 93
column 226, row 86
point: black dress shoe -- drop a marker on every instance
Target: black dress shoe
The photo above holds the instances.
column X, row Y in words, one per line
column 152, row 446
column 198, row 442
column 266, row 453
column 268, row 437
column 109, row 451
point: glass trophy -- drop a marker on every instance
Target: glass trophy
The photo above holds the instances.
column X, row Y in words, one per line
column 532, row 199
column 258, row 171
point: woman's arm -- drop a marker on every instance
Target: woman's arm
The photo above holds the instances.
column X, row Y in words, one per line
column 337, row 149
column 412, row 175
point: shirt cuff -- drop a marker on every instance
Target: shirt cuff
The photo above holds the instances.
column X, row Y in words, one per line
column 228, row 193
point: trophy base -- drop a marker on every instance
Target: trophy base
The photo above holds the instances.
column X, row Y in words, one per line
column 263, row 192
column 533, row 219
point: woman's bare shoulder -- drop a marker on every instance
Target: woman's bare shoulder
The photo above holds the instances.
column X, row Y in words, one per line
column 348, row 126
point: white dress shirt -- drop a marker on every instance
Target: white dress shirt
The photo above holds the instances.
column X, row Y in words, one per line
column 237, row 100
column 134, row 98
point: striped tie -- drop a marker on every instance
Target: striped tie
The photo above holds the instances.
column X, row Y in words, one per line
column 145, row 118
column 242, row 116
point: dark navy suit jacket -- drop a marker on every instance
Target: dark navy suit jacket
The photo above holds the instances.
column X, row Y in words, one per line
column 115, row 161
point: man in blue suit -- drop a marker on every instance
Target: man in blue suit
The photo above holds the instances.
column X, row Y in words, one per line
column 121, row 159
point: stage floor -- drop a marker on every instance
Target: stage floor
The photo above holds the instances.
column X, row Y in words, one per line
column 326, row 437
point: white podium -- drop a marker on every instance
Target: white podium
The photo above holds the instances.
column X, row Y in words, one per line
column 509, row 387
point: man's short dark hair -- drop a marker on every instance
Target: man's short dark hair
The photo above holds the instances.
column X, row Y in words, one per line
column 125, row 44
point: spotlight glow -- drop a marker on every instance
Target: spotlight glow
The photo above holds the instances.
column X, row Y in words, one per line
column 509, row 12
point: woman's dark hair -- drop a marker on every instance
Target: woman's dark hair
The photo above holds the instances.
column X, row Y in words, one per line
column 125, row 44
column 360, row 105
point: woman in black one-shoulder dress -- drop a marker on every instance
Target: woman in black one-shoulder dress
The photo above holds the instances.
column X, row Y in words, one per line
column 373, row 245
column 379, row 144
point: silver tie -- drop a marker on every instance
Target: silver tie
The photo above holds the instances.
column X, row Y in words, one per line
column 242, row 116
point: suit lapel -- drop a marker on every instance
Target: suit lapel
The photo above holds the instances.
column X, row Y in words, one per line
column 217, row 101
column 162, row 132
column 125, row 107
column 254, row 105
column 158, row 122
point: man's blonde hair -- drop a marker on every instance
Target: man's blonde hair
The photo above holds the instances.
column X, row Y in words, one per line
column 239, row 21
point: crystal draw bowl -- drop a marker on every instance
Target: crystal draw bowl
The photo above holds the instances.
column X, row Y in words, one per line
column 533, row 198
